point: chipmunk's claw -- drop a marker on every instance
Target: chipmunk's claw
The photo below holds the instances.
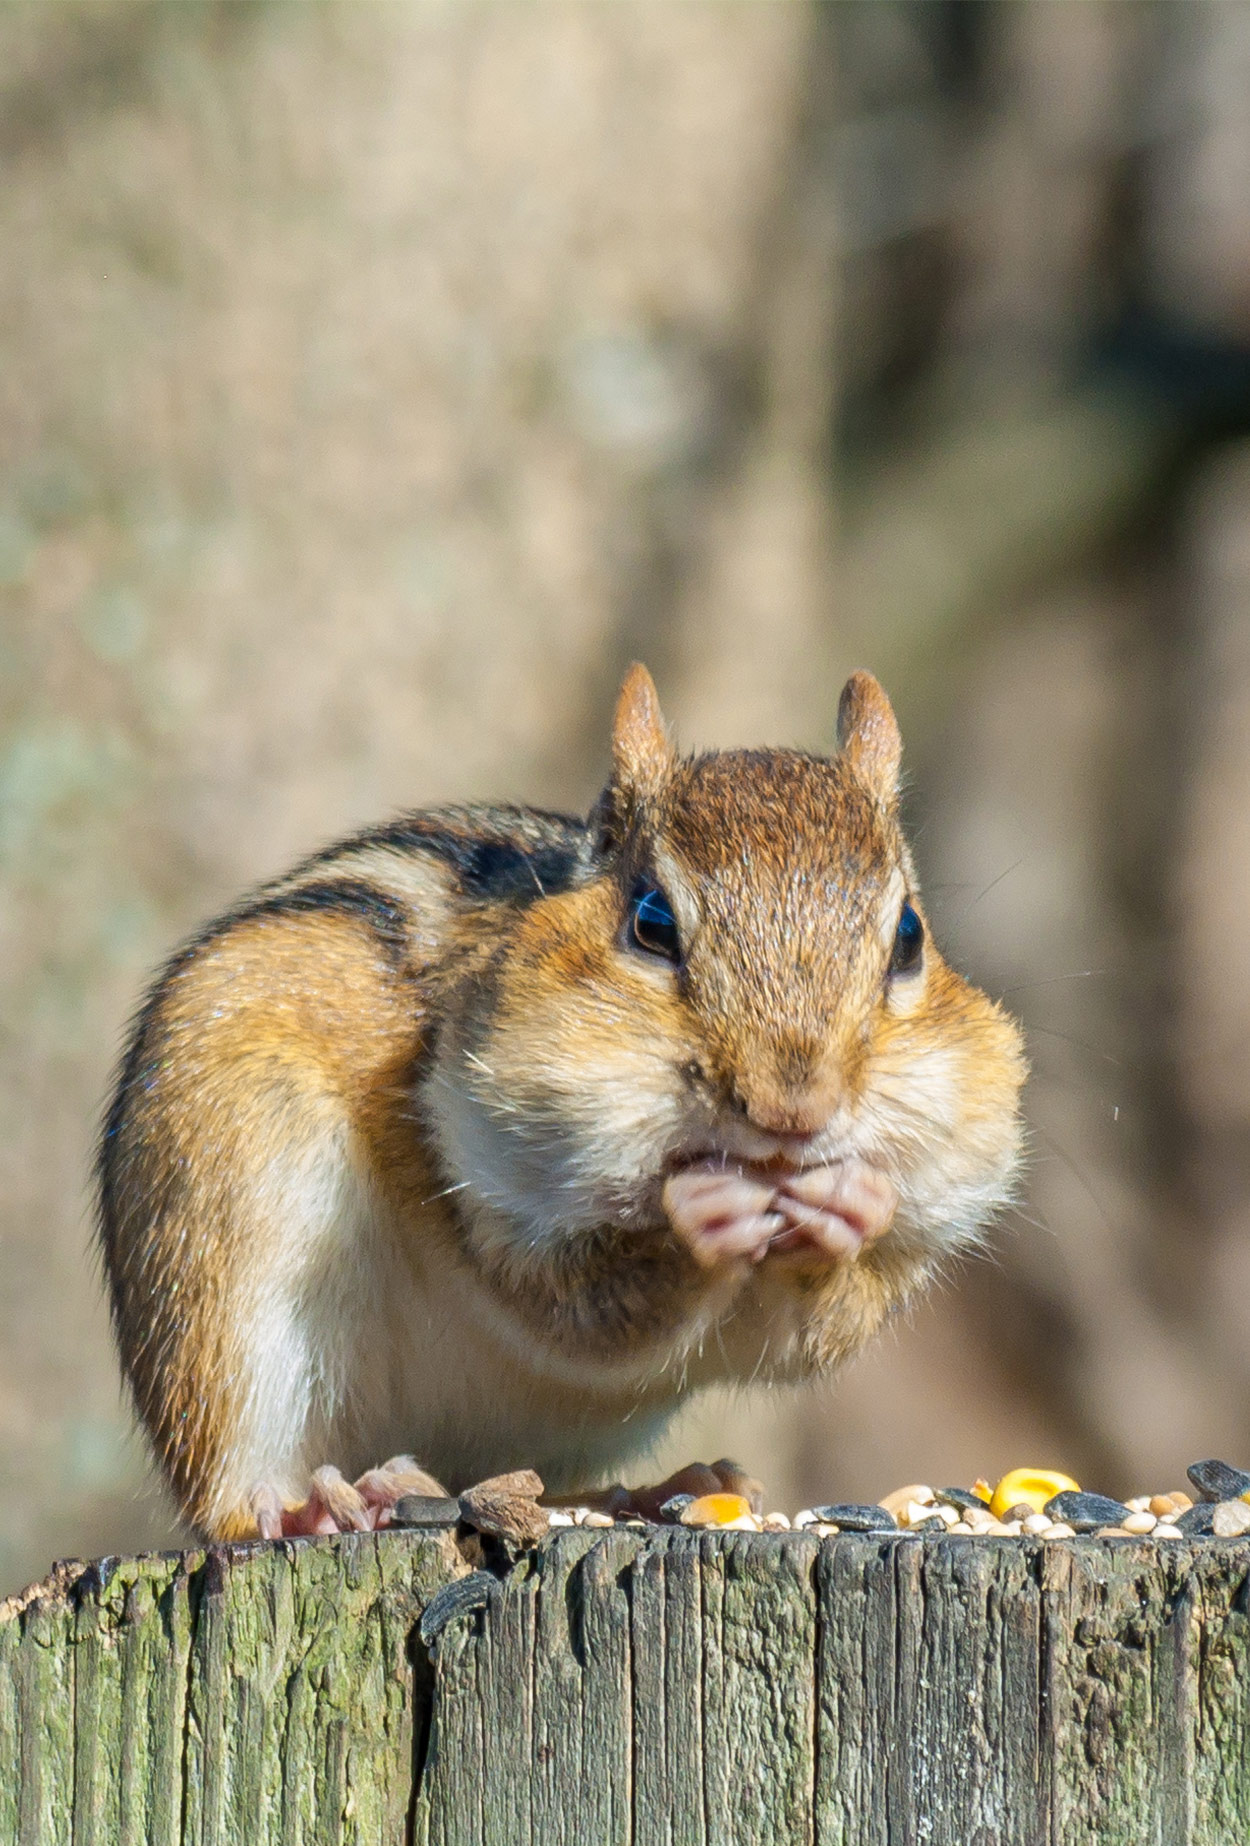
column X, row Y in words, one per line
column 335, row 1504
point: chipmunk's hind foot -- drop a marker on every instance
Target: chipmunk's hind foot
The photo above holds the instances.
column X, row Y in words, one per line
column 335, row 1504
column 696, row 1478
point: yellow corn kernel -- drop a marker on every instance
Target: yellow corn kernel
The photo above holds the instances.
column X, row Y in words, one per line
column 1032, row 1486
column 715, row 1509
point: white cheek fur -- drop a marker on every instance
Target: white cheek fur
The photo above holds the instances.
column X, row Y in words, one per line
column 590, row 1146
column 950, row 1180
column 558, row 1162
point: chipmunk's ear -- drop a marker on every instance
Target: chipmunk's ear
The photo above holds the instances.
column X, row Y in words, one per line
column 868, row 736
column 642, row 758
column 642, row 752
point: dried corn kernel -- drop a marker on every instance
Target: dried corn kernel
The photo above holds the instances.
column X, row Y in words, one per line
column 982, row 1489
column 715, row 1509
column 1030, row 1486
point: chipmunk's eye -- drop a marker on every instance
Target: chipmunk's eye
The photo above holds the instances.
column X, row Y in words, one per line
column 652, row 923
column 908, row 943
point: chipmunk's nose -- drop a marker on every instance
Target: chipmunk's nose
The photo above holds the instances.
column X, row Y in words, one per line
column 799, row 1121
column 792, row 1097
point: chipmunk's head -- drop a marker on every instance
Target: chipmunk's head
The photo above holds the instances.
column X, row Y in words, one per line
column 769, row 893
column 745, row 985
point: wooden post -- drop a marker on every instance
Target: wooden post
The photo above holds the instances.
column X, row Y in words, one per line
column 635, row 1688
column 228, row 1697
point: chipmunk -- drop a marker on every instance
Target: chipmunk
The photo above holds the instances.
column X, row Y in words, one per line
column 492, row 1134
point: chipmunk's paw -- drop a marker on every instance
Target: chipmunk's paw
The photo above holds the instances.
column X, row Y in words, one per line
column 834, row 1210
column 335, row 1504
column 382, row 1487
column 697, row 1478
column 723, row 1214
column 729, row 1215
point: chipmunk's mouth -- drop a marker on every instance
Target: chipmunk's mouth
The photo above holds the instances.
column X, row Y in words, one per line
column 778, row 1164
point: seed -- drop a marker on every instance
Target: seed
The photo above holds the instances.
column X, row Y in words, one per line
column 996, row 1529
column 715, row 1509
column 806, row 1518
column 522, row 1482
column 1140, row 1505
column 416, row 1509
column 504, row 1512
column 961, row 1497
column 1160, row 1504
column 852, row 1517
column 1142, row 1522
column 1113, row 1532
column 1086, row 1511
column 914, row 1514
column 823, row 1530
column 960, row 1529
column 1058, row 1530
column 1034, row 1485
column 672, row 1510
column 559, row 1519
column 948, row 1515
column 1218, row 1480
column 896, row 1501
column 1037, row 1523
column 775, row 1522
column 1165, row 1529
column 1230, row 1519
column 1181, row 1501
column 600, row 1521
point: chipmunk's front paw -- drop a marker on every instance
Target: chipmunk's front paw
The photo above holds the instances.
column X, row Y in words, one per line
column 741, row 1214
column 835, row 1210
column 335, row 1504
column 723, row 1214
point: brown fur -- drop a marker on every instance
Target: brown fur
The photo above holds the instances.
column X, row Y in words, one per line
column 385, row 1161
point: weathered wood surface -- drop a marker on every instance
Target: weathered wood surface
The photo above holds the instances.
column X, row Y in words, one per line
column 675, row 1687
column 901, row 1692
column 231, row 1697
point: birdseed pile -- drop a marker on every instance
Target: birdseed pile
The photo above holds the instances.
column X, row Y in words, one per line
column 1026, row 1503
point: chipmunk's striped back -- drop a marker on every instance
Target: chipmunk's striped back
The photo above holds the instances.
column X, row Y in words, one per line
column 295, row 1023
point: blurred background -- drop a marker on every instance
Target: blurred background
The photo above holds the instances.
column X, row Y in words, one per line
column 379, row 378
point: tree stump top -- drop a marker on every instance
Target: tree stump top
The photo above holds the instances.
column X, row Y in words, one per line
column 627, row 1686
